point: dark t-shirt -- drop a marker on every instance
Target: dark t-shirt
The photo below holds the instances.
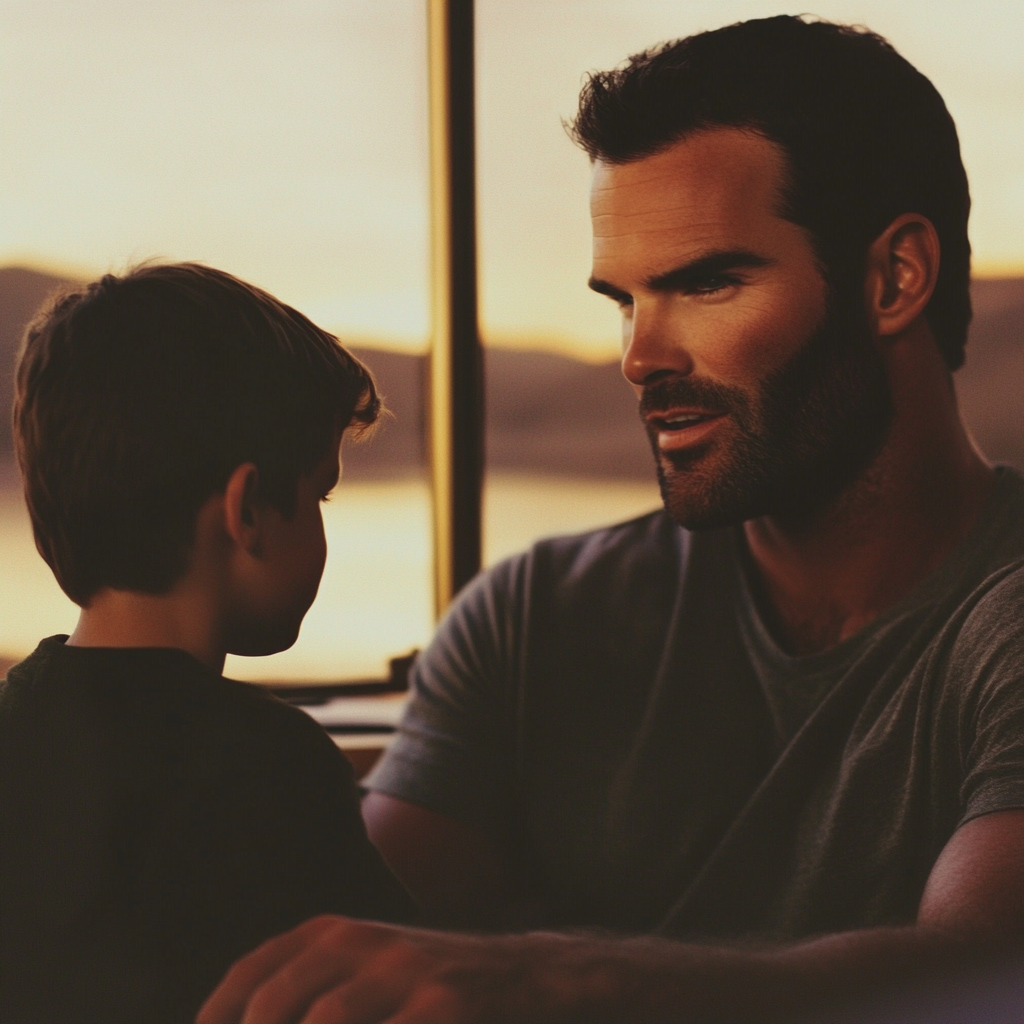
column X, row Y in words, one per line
column 613, row 712
column 156, row 822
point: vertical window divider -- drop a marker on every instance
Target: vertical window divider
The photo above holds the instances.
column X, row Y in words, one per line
column 455, row 400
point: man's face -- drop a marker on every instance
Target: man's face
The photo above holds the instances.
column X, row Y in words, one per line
column 758, row 395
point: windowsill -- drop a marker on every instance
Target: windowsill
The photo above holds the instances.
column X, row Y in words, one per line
column 379, row 741
column 361, row 727
column 359, row 715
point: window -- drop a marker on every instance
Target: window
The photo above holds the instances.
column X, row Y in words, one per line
column 284, row 141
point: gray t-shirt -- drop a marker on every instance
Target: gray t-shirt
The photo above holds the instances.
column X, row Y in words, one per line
column 611, row 709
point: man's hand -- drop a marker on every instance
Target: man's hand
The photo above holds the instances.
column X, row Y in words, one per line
column 333, row 970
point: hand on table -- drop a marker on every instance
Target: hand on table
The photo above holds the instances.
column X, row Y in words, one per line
column 333, row 970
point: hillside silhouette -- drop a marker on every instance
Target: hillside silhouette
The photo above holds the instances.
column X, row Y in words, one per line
column 552, row 414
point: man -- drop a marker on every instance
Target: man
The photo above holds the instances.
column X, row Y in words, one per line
column 775, row 733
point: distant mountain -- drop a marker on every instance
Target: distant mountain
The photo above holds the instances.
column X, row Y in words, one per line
column 22, row 292
column 547, row 413
column 991, row 384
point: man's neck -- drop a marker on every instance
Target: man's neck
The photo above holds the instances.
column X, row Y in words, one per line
column 826, row 575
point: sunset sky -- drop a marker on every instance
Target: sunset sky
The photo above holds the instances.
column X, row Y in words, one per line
column 285, row 140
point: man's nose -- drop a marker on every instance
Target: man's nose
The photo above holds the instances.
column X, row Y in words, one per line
column 652, row 348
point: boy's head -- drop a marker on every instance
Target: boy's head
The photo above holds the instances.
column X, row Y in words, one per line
column 137, row 397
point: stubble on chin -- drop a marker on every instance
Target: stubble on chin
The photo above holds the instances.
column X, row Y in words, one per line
column 808, row 432
column 712, row 485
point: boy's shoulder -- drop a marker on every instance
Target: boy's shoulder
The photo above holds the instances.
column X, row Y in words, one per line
column 157, row 704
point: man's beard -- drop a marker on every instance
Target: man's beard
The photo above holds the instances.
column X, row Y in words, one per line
column 808, row 431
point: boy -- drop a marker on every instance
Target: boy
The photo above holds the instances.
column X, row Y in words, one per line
column 176, row 431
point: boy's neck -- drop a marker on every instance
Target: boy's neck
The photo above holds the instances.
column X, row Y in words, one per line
column 128, row 618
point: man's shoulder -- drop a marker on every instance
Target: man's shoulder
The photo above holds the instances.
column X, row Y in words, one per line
column 975, row 658
column 1002, row 526
column 991, row 619
column 984, row 581
column 615, row 586
column 654, row 529
column 615, row 555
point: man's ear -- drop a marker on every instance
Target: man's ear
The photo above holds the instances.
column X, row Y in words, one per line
column 242, row 508
column 902, row 267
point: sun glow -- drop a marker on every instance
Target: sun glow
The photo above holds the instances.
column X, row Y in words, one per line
column 290, row 146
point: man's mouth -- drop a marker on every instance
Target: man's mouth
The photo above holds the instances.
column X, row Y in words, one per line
column 683, row 421
column 677, row 429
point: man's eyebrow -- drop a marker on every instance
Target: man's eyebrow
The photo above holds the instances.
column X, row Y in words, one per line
column 689, row 275
column 604, row 288
column 697, row 271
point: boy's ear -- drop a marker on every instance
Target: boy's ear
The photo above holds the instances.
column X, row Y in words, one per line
column 242, row 518
column 902, row 268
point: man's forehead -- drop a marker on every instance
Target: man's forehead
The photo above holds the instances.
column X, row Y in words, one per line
column 716, row 190
column 723, row 167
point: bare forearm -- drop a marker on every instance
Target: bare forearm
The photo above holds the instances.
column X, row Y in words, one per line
column 657, row 981
column 341, row 971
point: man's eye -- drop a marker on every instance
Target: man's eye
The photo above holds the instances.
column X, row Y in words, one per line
column 714, row 284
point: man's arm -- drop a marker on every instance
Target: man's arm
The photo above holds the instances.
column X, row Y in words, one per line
column 337, row 971
column 459, row 878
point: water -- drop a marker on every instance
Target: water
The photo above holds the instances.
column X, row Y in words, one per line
column 375, row 600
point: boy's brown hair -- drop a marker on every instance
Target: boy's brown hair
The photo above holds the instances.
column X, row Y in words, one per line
column 137, row 396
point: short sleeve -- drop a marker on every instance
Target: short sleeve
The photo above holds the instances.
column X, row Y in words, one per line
column 453, row 753
column 989, row 660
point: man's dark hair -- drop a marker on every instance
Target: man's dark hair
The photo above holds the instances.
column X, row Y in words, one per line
column 867, row 137
column 138, row 396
